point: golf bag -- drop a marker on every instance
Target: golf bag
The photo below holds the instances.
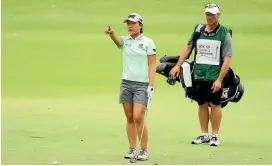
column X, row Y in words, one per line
column 232, row 88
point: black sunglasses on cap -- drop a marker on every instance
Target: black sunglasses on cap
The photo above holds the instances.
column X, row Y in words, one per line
column 133, row 16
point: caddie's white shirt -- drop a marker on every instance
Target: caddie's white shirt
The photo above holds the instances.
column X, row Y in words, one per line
column 135, row 57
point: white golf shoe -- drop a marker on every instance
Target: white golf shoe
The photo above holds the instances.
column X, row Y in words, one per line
column 143, row 156
column 201, row 139
column 214, row 141
column 131, row 153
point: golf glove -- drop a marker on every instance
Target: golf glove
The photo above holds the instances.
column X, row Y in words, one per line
column 150, row 91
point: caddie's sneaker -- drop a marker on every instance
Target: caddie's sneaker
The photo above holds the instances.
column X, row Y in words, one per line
column 214, row 141
column 143, row 156
column 201, row 139
column 131, row 153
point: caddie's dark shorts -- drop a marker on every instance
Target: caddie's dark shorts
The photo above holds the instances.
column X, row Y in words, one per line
column 204, row 93
column 131, row 91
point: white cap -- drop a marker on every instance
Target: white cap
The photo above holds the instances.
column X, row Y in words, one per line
column 213, row 10
column 135, row 18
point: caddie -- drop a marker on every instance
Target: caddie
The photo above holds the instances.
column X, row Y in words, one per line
column 212, row 59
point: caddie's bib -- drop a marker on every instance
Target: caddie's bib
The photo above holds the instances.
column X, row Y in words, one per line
column 208, row 52
column 208, row 55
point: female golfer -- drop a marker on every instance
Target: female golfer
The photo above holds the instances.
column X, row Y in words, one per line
column 139, row 68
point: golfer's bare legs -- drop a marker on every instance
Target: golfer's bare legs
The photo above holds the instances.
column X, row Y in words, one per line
column 138, row 114
column 131, row 127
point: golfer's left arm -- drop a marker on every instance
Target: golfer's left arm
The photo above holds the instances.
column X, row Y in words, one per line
column 151, row 53
column 227, row 54
column 152, row 69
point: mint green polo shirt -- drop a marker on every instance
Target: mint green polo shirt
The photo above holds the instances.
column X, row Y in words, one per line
column 135, row 57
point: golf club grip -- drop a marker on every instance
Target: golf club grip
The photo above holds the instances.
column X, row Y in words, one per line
column 148, row 101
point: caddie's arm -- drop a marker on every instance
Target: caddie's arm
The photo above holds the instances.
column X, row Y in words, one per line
column 224, row 68
column 227, row 54
column 175, row 71
column 186, row 50
column 184, row 54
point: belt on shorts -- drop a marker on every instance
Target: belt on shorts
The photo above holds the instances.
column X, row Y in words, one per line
column 136, row 82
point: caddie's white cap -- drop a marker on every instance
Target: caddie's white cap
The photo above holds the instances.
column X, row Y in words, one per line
column 135, row 17
column 212, row 8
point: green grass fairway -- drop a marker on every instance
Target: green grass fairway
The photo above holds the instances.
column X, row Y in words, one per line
column 61, row 76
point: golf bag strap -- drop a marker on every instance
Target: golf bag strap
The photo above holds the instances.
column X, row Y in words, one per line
column 199, row 28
